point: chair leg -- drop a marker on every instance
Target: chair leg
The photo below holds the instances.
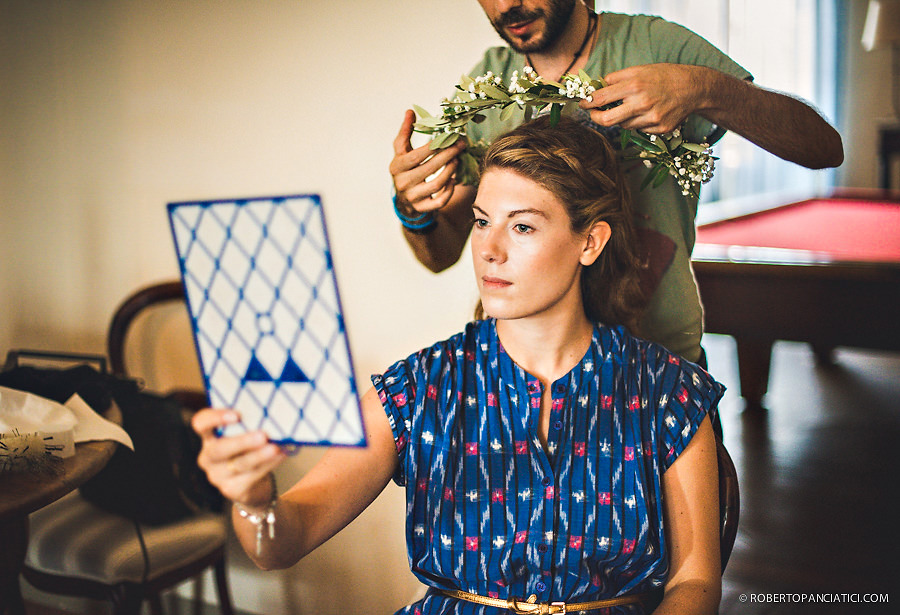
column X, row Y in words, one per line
column 222, row 588
column 156, row 607
column 197, row 602
column 127, row 599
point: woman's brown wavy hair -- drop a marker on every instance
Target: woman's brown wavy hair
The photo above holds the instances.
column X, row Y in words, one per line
column 579, row 167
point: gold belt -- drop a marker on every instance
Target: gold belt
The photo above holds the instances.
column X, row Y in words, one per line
column 533, row 607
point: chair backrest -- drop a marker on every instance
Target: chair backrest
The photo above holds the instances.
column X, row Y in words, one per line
column 150, row 338
column 729, row 502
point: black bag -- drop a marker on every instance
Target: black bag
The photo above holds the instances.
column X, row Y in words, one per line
column 159, row 482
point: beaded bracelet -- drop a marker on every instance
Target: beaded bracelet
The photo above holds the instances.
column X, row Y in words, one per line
column 265, row 518
column 422, row 223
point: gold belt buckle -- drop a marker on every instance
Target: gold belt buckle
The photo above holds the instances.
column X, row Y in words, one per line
column 531, row 607
column 523, row 607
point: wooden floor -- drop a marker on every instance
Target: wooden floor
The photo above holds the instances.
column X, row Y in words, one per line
column 819, row 484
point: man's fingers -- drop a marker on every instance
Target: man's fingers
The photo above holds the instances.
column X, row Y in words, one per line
column 419, row 164
column 424, row 196
column 402, row 143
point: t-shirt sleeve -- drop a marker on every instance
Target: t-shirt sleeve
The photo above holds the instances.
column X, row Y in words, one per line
column 397, row 391
column 675, row 44
column 689, row 394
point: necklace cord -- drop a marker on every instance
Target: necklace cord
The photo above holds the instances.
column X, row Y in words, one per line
column 592, row 18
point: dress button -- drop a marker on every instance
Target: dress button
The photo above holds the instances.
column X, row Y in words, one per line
column 546, row 481
column 560, row 388
column 558, row 424
column 540, row 586
column 542, row 548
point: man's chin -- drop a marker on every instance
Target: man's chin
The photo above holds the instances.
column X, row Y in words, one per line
column 532, row 44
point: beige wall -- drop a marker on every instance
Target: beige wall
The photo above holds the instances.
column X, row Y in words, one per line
column 866, row 97
column 111, row 109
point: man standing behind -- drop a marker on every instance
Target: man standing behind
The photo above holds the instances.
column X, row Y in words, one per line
column 660, row 75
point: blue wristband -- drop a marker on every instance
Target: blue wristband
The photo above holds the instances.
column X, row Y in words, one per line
column 421, row 223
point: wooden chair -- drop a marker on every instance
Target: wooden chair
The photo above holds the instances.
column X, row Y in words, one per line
column 729, row 502
column 78, row 549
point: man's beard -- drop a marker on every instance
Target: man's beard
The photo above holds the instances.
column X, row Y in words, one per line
column 556, row 19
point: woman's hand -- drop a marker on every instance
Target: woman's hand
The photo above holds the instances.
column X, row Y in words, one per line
column 238, row 466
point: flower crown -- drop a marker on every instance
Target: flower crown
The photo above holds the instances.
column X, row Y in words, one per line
column 691, row 164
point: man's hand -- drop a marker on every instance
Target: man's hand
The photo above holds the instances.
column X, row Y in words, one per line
column 654, row 98
column 411, row 168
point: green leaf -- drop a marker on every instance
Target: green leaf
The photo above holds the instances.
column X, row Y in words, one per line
column 421, row 112
column 529, row 112
column 584, row 76
column 440, row 141
column 507, row 112
column 555, row 113
column 451, row 139
column 645, row 143
column 661, row 176
column 524, row 84
column 653, row 175
column 478, row 118
column 661, row 143
column 694, row 147
column 464, row 82
column 432, row 121
column 494, row 92
column 480, row 103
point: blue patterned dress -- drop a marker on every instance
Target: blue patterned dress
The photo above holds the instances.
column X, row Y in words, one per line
column 491, row 512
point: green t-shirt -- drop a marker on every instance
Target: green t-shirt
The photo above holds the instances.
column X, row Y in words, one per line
column 664, row 217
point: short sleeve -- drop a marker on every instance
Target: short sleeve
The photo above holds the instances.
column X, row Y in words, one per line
column 678, row 45
column 397, row 389
column 689, row 394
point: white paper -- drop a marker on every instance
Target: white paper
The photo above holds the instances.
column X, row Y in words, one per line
column 91, row 426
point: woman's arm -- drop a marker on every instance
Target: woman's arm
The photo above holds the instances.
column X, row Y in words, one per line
column 333, row 493
column 691, row 508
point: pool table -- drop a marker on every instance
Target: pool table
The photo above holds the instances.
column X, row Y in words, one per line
column 824, row 271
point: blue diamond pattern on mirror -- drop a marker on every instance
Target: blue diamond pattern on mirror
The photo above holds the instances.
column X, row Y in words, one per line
column 267, row 318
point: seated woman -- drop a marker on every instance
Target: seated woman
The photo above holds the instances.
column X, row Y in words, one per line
column 548, row 455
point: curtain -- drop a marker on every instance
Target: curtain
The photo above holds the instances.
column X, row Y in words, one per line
column 789, row 46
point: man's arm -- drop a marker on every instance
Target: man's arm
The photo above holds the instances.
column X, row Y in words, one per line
column 441, row 247
column 656, row 98
column 424, row 182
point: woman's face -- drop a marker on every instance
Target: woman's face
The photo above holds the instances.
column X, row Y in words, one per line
column 527, row 258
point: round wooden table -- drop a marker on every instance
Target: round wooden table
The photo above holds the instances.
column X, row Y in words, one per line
column 22, row 493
